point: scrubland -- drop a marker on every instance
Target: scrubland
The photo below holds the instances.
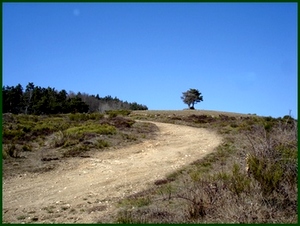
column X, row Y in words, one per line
column 251, row 177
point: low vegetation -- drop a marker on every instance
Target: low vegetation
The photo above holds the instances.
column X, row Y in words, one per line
column 55, row 137
column 251, row 178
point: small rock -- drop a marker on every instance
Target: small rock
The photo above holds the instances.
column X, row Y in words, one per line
column 65, row 207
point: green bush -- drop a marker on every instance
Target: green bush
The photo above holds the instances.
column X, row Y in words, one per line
column 22, row 118
column 70, row 142
column 239, row 181
column 129, row 137
column 85, row 116
column 288, row 161
column 288, row 151
column 92, row 128
column 273, row 161
column 4, row 154
column 13, row 135
column 95, row 116
column 78, row 117
column 26, row 129
column 267, row 172
column 135, row 201
column 221, row 176
column 26, row 147
column 114, row 113
column 102, row 144
column 29, row 127
column 42, row 129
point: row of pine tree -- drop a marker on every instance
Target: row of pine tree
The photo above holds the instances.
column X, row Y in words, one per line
column 37, row 100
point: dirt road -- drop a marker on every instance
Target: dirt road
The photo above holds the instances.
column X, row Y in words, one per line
column 83, row 190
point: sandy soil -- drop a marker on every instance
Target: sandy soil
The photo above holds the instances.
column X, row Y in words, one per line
column 84, row 190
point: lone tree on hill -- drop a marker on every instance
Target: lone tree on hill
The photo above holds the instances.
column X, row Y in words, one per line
column 191, row 97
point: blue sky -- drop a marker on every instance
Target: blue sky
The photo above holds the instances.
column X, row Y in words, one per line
column 242, row 57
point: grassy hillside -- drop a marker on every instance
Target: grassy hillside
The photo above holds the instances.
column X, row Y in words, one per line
column 39, row 143
column 188, row 112
column 250, row 178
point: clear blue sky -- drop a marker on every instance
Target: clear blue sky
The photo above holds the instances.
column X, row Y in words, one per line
column 242, row 57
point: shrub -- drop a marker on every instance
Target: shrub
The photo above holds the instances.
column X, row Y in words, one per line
column 273, row 157
column 71, row 142
column 85, row 116
column 92, row 128
column 26, row 129
column 102, row 144
column 129, row 137
column 239, row 181
column 216, row 188
column 127, row 217
column 13, row 135
column 26, row 147
column 269, row 174
column 78, row 117
column 114, row 113
column 76, row 150
column 121, row 122
column 4, row 152
column 201, row 118
column 42, row 129
column 49, row 125
column 95, row 116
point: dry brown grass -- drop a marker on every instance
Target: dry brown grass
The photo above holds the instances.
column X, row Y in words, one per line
column 29, row 139
column 187, row 112
column 219, row 188
column 223, row 187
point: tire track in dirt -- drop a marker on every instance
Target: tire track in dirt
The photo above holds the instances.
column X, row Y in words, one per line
column 66, row 194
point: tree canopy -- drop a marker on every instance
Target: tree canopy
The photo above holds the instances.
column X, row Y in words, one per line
column 38, row 100
column 191, row 97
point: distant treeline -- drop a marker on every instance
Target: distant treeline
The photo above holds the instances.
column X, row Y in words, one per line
column 37, row 100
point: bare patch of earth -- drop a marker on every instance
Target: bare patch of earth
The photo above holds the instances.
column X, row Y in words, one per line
column 84, row 190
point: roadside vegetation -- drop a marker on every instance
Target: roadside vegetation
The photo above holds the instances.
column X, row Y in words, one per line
column 48, row 140
column 251, row 178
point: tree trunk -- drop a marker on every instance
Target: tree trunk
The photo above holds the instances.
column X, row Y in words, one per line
column 192, row 108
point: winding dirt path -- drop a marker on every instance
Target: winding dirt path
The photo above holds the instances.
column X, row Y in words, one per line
column 84, row 190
